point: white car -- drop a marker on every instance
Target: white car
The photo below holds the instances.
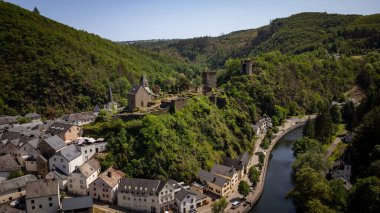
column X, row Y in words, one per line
column 235, row 204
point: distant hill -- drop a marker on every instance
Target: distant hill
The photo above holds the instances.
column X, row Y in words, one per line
column 304, row 32
column 52, row 68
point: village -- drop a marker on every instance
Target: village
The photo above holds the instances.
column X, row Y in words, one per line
column 50, row 166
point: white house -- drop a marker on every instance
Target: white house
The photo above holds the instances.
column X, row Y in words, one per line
column 59, row 176
column 14, row 188
column 145, row 195
column 89, row 147
column 42, row 196
column 105, row 186
column 83, row 176
column 185, row 200
column 66, row 159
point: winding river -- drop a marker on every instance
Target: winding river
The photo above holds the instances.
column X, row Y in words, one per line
column 278, row 180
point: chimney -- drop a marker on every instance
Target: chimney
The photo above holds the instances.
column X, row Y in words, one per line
column 109, row 174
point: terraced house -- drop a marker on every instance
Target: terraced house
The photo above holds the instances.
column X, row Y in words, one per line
column 145, row 195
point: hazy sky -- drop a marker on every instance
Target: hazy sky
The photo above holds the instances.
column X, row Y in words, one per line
column 121, row 20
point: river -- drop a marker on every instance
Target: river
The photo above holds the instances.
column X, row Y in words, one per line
column 278, row 180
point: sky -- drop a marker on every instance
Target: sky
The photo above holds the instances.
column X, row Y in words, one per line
column 127, row 20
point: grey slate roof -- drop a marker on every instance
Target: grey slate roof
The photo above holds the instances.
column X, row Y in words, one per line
column 8, row 120
column 223, row 170
column 145, row 185
column 77, row 203
column 8, row 164
column 79, row 116
column 55, row 142
column 41, row 188
column 174, row 184
column 16, row 183
column 88, row 168
column 70, row 152
column 58, row 128
column 210, row 177
column 57, row 172
column 9, row 136
column 134, row 89
column 245, row 158
column 182, row 193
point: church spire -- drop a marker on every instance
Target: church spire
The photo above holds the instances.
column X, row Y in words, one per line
column 144, row 81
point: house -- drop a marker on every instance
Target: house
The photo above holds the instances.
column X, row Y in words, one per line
column 140, row 95
column 186, row 198
column 80, row 119
column 341, row 170
column 209, row 80
column 89, row 147
column 67, row 132
column 8, row 164
column 144, row 195
column 30, row 164
column 14, row 188
column 42, row 166
column 9, row 142
column 105, row 186
column 216, row 184
column 58, row 175
column 111, row 105
column 77, row 204
column 33, row 117
column 28, row 148
column 227, row 172
column 264, row 124
column 50, row 146
column 42, row 196
column 242, row 164
column 66, row 159
column 256, row 129
column 80, row 179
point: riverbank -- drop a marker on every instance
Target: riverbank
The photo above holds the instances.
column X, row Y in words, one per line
column 289, row 125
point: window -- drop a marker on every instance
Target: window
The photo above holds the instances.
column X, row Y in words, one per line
column 124, row 198
column 103, row 195
column 184, row 203
column 90, row 150
column 94, row 193
column 144, row 200
column 61, row 160
column 32, row 201
column 33, row 207
column 55, row 159
column 64, row 166
column 152, row 201
column 50, row 198
column 50, row 204
column 40, row 206
column 85, row 151
column 129, row 198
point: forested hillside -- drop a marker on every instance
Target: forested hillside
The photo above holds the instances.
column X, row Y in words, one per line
column 52, row 68
column 304, row 32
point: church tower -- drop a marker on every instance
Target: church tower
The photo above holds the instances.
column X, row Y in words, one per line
column 144, row 81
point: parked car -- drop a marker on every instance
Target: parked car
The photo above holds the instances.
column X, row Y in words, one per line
column 235, row 204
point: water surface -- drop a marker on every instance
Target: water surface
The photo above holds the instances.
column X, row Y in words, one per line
column 278, row 180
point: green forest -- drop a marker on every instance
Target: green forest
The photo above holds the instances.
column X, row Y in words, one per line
column 51, row 68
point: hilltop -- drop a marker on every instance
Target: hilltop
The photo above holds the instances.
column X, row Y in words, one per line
column 52, row 68
column 299, row 33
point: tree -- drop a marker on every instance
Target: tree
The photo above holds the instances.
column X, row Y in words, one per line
column 312, row 160
column 219, row 205
column 310, row 185
column 308, row 129
column 324, row 126
column 253, row 175
column 339, row 196
column 15, row 174
column 336, row 115
column 365, row 196
column 243, row 188
column 316, row 206
column 306, row 144
column 35, row 10
column 348, row 114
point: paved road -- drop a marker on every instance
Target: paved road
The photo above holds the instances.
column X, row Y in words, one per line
column 332, row 147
